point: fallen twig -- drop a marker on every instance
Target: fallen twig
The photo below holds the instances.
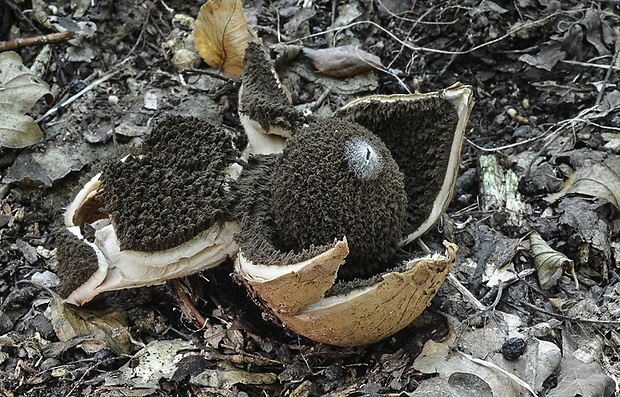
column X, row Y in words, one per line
column 567, row 318
column 599, row 98
column 434, row 50
column 37, row 40
column 467, row 295
column 72, row 99
column 496, row 367
column 590, row 64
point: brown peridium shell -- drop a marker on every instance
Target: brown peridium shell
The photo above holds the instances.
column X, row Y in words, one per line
column 295, row 295
column 425, row 146
column 117, row 269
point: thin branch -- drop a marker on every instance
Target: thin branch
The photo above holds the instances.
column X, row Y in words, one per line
column 434, row 50
column 37, row 40
column 592, row 65
column 500, row 148
column 72, row 99
column 567, row 318
column 599, row 98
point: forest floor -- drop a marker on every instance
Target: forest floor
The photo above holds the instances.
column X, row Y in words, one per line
column 547, row 111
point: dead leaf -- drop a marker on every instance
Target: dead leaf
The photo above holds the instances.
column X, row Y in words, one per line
column 548, row 56
column 158, row 360
column 227, row 375
column 221, row 35
column 108, row 329
column 496, row 252
column 580, row 379
column 345, row 61
column 593, row 22
column 549, row 262
column 485, row 362
column 19, row 91
column 594, row 179
column 297, row 25
column 487, row 7
column 458, row 384
column 588, row 231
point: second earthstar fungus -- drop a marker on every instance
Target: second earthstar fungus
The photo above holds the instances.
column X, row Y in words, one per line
column 319, row 219
column 162, row 212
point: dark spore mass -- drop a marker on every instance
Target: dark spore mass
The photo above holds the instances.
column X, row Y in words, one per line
column 337, row 179
column 420, row 145
column 262, row 99
column 77, row 261
column 173, row 188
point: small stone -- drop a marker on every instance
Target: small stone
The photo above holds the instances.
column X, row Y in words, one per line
column 513, row 348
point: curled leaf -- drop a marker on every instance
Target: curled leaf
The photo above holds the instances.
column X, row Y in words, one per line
column 345, row 61
column 594, row 179
column 284, row 53
column 19, row 91
column 221, row 35
column 549, row 262
column 108, row 329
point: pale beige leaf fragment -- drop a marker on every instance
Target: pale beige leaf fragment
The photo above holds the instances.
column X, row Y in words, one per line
column 549, row 263
column 594, row 179
column 345, row 61
column 19, row 91
column 108, row 329
column 221, row 35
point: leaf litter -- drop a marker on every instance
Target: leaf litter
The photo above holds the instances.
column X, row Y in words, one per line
column 19, row 91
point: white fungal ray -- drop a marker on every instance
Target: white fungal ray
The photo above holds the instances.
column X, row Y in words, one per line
column 365, row 161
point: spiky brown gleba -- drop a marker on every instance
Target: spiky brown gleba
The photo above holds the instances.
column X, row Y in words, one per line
column 337, row 179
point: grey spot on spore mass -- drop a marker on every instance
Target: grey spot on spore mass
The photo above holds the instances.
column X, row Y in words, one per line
column 419, row 145
column 322, row 192
column 365, row 161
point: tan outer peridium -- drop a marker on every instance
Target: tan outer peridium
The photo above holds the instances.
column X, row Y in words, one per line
column 289, row 289
column 261, row 141
column 74, row 215
column 376, row 312
column 461, row 97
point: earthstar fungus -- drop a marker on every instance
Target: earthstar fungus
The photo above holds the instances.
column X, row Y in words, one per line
column 338, row 201
column 318, row 220
column 159, row 213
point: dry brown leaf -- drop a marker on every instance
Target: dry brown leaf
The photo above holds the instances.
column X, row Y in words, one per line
column 594, row 179
column 221, row 35
column 108, row 330
column 549, row 263
column 345, row 61
column 19, row 91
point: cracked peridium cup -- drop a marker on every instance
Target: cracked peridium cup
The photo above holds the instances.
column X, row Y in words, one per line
column 161, row 212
